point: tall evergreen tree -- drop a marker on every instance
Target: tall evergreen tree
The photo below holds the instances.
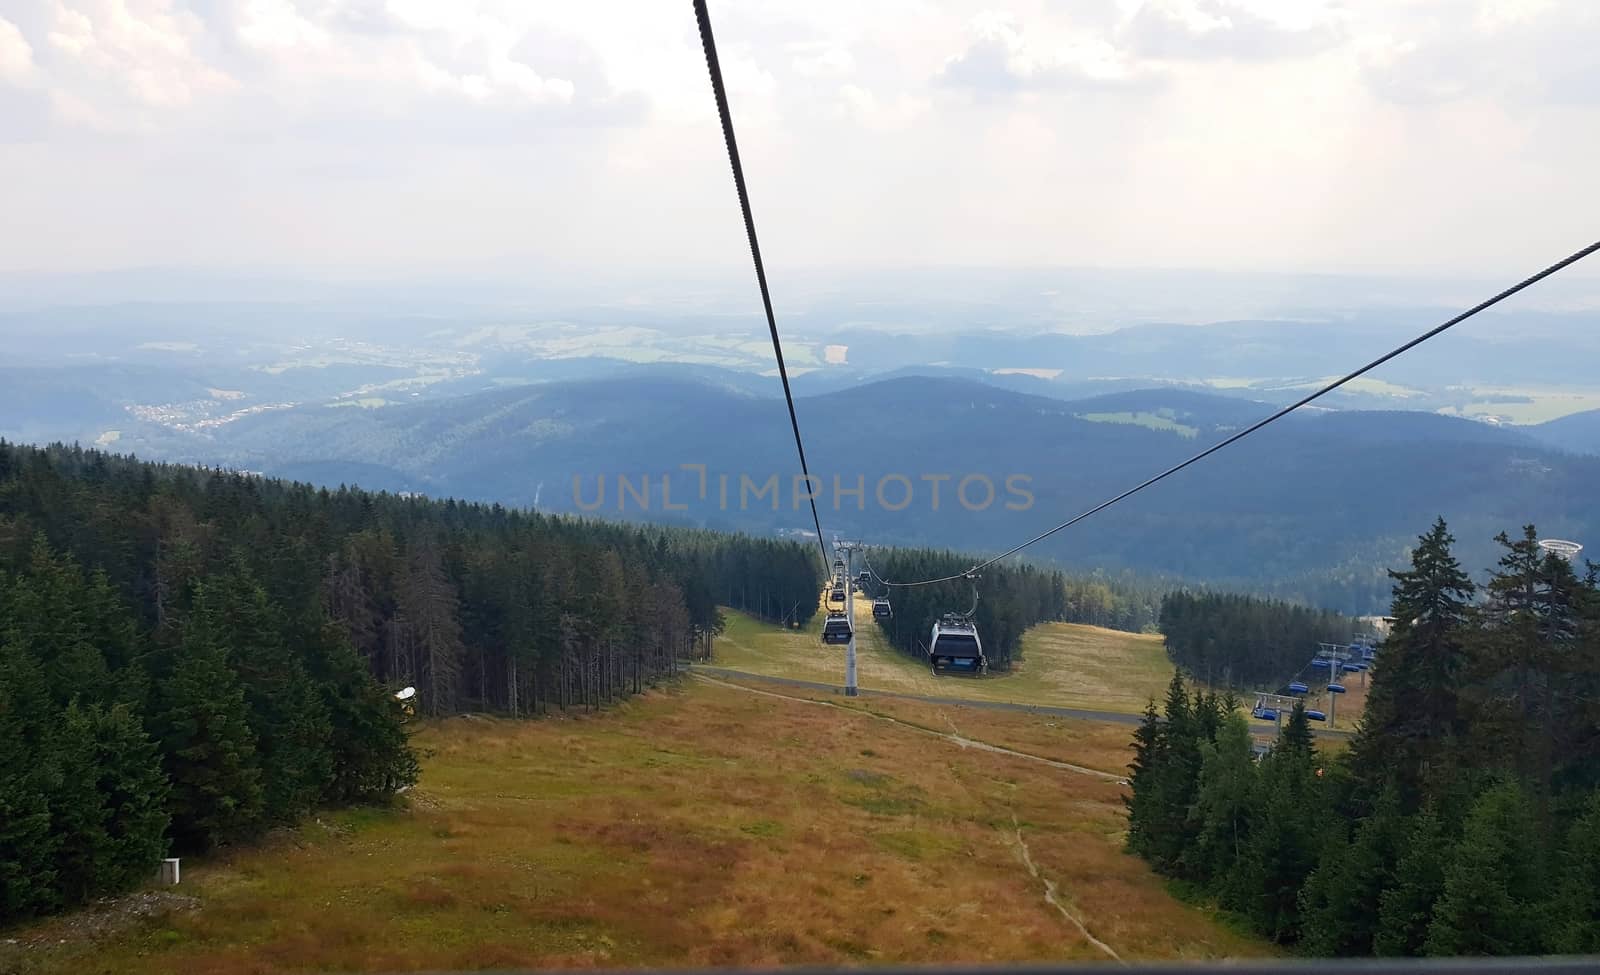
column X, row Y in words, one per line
column 28, row 777
column 129, row 778
column 1222, row 804
column 1338, row 902
column 201, row 720
column 1575, row 918
column 1405, row 910
column 1265, row 882
column 1411, row 717
column 1148, row 756
column 1493, row 882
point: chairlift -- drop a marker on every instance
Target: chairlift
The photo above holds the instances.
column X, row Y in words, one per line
column 955, row 647
column 1316, row 715
column 881, row 610
column 836, row 628
column 1335, row 688
column 1353, row 667
column 1266, row 714
column 1322, row 663
column 1297, row 687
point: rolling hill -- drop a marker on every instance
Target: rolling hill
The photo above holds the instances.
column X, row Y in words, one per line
column 1315, row 506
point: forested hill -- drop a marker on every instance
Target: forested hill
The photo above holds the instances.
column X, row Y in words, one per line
column 189, row 657
column 479, row 606
column 1311, row 509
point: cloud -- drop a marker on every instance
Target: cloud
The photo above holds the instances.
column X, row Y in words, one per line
column 16, row 54
column 1201, row 29
column 1000, row 60
column 1519, row 52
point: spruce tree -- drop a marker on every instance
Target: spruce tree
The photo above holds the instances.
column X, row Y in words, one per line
column 1145, row 769
column 1493, row 882
column 288, row 717
column 1222, row 805
column 1265, row 882
column 1338, row 902
column 1412, row 714
column 1405, row 910
column 28, row 777
column 79, row 816
column 1176, row 780
column 370, row 755
column 1575, row 922
column 201, row 720
column 129, row 778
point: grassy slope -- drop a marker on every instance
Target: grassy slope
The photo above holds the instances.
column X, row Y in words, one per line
column 1063, row 664
column 703, row 825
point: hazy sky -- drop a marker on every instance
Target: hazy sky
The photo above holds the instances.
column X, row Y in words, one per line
column 1450, row 135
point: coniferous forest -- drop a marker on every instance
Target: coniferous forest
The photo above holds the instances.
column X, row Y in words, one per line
column 190, row 657
column 1230, row 640
column 1465, row 817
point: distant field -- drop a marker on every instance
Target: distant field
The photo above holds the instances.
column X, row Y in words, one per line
column 1063, row 664
column 702, row 825
column 1153, row 421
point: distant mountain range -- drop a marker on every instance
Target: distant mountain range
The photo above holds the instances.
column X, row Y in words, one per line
column 1316, row 506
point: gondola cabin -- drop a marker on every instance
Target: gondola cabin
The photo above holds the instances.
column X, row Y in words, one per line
column 836, row 629
column 881, row 610
column 955, row 648
column 837, row 595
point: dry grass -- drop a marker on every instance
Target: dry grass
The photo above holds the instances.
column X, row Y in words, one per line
column 697, row 826
column 1062, row 664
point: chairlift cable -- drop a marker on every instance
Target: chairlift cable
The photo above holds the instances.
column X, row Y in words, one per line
column 715, row 67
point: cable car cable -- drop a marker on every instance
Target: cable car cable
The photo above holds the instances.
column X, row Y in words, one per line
column 715, row 67
column 1425, row 336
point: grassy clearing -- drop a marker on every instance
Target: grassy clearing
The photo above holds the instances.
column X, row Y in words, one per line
column 1152, row 421
column 697, row 826
column 1063, row 664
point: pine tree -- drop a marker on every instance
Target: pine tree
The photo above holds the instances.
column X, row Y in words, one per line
column 370, row 756
column 28, row 776
column 1411, row 716
column 1176, row 781
column 129, row 778
column 79, row 816
column 287, row 716
column 1405, row 910
column 201, row 720
column 1493, row 884
column 1222, row 805
column 1575, row 925
column 1265, row 882
column 1338, row 901
column 1148, row 756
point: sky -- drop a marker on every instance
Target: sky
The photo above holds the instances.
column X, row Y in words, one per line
column 1379, row 136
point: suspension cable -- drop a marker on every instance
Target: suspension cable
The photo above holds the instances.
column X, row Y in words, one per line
column 715, row 67
column 1425, row 336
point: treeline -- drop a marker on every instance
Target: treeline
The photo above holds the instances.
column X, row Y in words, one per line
column 188, row 657
column 1464, row 819
column 120, row 741
column 1011, row 598
column 1229, row 640
column 1114, row 602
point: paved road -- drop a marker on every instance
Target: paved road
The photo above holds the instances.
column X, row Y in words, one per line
column 1080, row 714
